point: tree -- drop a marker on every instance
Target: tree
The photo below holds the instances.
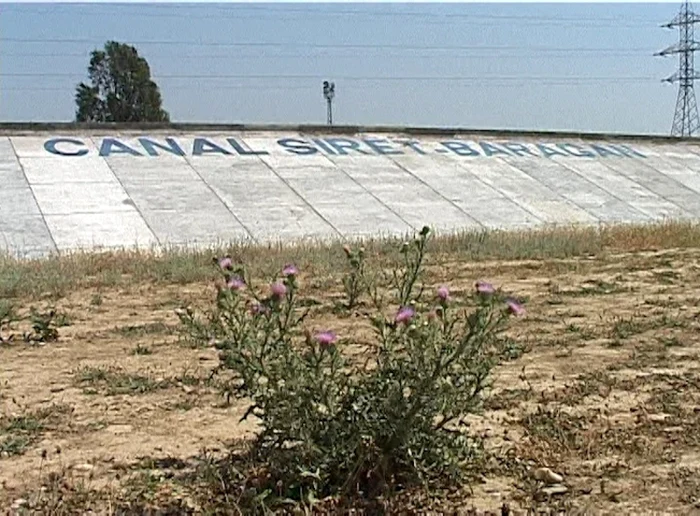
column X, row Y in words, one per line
column 121, row 88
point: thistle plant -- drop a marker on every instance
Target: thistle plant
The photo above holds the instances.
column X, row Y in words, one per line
column 8, row 316
column 333, row 425
column 354, row 283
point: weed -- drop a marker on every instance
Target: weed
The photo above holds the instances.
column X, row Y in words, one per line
column 668, row 277
column 513, row 349
column 141, row 350
column 354, row 282
column 18, row 433
column 8, row 316
column 60, row 494
column 136, row 331
column 45, row 325
column 507, row 398
column 596, row 288
column 668, row 321
column 595, row 383
column 333, row 427
column 555, row 430
column 183, row 406
column 626, row 327
column 671, row 342
column 583, row 332
column 14, row 445
column 112, row 382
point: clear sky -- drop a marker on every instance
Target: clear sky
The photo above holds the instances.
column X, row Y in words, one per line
column 586, row 67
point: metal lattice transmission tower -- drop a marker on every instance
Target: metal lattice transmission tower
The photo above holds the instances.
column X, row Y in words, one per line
column 685, row 120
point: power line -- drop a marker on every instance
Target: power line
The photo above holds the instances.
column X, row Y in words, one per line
column 262, row 11
column 349, row 77
column 86, row 53
column 70, row 90
column 349, row 46
column 509, row 55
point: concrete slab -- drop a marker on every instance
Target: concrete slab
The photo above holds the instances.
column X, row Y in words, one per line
column 18, row 201
column 546, row 204
column 60, row 170
column 650, row 175
column 171, row 195
column 12, row 176
column 112, row 230
column 488, row 206
column 129, row 187
column 162, row 170
column 681, row 164
column 627, row 190
column 336, row 198
column 199, row 226
column 66, row 144
column 25, row 235
column 600, row 203
column 412, row 200
column 67, row 198
column 264, row 203
column 11, row 173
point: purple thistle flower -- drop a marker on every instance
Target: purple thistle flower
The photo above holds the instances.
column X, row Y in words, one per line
column 290, row 270
column 325, row 338
column 226, row 262
column 514, row 307
column 278, row 290
column 235, row 283
column 405, row 314
column 483, row 287
column 443, row 293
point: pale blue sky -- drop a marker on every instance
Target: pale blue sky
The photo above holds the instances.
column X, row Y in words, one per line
column 467, row 65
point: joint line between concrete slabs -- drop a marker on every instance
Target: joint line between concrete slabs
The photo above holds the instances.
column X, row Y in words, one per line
column 128, row 195
column 391, row 210
column 438, row 193
column 557, row 195
column 607, row 191
column 303, row 199
column 499, row 192
column 36, row 201
column 226, row 206
column 679, row 184
column 679, row 162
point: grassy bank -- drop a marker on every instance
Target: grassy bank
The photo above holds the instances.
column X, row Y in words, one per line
column 59, row 275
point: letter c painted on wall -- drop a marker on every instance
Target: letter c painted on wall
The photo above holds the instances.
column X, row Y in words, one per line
column 50, row 146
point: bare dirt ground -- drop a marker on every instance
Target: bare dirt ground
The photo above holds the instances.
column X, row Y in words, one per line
column 606, row 393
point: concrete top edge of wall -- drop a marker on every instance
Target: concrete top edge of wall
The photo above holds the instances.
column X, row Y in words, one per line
column 18, row 128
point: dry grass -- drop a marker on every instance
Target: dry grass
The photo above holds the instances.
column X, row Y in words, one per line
column 58, row 276
column 117, row 415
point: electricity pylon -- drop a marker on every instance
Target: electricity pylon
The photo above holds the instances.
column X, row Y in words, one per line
column 685, row 120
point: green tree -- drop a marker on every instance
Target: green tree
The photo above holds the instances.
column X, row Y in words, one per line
column 121, row 88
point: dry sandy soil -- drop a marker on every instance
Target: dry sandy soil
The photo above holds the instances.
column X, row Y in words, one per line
column 606, row 394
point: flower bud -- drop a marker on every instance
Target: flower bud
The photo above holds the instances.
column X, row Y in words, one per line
column 290, row 270
column 405, row 314
column 278, row 290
